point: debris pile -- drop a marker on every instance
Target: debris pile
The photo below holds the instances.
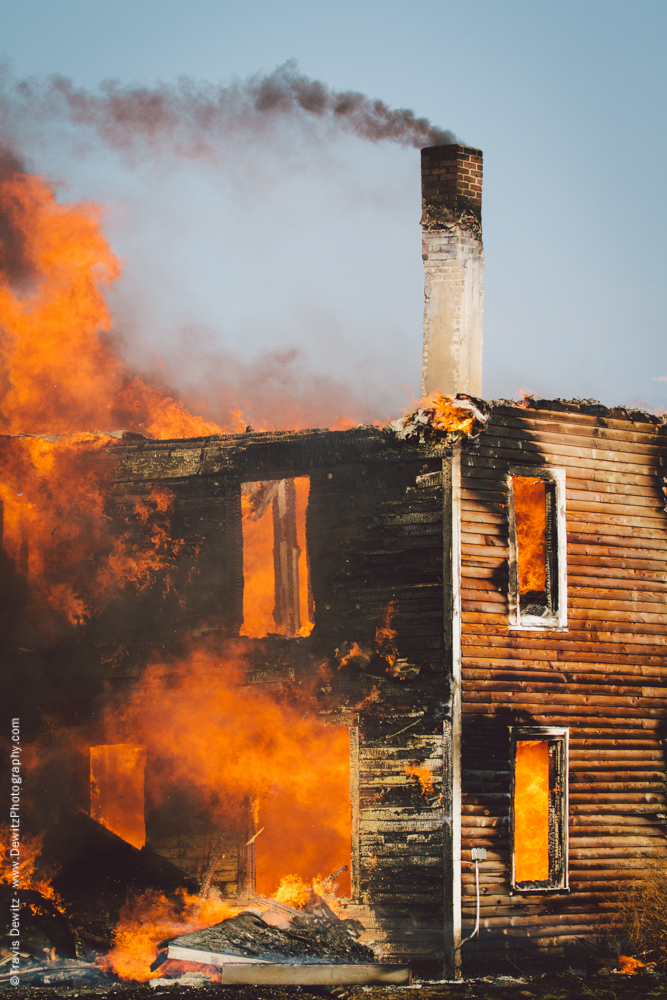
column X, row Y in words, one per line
column 278, row 934
column 441, row 418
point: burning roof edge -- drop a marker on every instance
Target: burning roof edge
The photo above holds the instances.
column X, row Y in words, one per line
column 441, row 421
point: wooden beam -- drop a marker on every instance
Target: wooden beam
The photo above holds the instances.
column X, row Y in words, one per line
column 316, row 975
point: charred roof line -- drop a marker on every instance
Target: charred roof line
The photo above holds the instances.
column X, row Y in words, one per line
column 589, row 407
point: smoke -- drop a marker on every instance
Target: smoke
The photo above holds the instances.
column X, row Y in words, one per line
column 196, row 119
column 15, row 262
column 268, row 211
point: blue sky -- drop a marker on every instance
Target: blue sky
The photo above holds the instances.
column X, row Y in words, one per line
column 294, row 262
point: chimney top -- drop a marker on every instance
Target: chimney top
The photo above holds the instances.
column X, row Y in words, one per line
column 451, row 185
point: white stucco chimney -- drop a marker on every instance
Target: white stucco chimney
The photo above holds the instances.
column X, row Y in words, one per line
column 454, row 269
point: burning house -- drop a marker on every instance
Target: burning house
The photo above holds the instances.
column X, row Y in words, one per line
column 427, row 658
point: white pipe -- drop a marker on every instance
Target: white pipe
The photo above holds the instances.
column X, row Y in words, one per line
column 476, row 930
column 478, row 854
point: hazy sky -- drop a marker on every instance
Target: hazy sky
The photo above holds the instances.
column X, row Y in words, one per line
column 290, row 261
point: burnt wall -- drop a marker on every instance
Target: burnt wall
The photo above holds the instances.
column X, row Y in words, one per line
column 375, row 547
column 604, row 677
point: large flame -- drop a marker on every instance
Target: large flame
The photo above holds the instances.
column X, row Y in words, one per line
column 145, row 922
column 24, row 871
column 62, row 375
column 531, row 811
column 230, row 742
column 117, row 790
column 65, row 386
column 531, row 526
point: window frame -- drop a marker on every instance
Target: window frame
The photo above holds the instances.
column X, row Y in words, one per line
column 533, row 623
column 303, row 552
column 559, row 809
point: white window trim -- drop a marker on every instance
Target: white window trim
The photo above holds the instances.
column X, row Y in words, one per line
column 531, row 623
column 517, row 734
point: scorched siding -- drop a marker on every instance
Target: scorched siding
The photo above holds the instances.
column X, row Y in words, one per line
column 604, row 677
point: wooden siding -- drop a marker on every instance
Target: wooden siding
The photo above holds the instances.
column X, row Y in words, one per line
column 604, row 678
column 375, row 546
column 375, row 540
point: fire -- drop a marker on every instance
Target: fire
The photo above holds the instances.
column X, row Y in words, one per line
column 440, row 415
column 28, row 873
column 276, row 587
column 423, row 775
column 385, row 635
column 531, row 526
column 153, row 918
column 62, row 374
column 64, row 381
column 58, row 536
column 30, row 850
column 449, row 415
column 295, row 891
column 531, row 811
column 117, row 790
column 630, row 966
column 232, row 743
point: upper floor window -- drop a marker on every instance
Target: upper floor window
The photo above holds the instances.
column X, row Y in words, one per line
column 277, row 598
column 538, row 578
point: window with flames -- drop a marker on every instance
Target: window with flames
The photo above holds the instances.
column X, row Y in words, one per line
column 277, row 597
column 539, row 811
column 538, row 552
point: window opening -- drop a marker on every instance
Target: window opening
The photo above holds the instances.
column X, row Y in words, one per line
column 117, row 790
column 277, row 597
column 537, row 551
column 539, row 808
column 305, row 838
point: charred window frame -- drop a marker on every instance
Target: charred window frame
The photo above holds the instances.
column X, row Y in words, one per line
column 277, row 595
column 542, row 609
column 539, row 808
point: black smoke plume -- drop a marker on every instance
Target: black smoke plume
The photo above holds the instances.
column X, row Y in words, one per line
column 192, row 118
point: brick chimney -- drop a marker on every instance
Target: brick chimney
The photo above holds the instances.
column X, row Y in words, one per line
column 454, row 269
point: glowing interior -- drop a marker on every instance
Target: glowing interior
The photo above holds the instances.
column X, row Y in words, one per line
column 260, row 553
column 531, row 811
column 117, row 790
column 530, row 518
column 306, row 836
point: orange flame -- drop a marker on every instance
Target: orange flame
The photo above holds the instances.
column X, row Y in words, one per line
column 27, row 872
column 62, row 374
column 153, row 918
column 117, row 790
column 230, row 742
column 259, row 572
column 423, row 775
column 385, row 635
column 295, row 891
column 630, row 966
column 530, row 519
column 58, row 536
column 531, row 811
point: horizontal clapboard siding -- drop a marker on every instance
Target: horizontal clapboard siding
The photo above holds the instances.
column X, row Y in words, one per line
column 604, row 678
